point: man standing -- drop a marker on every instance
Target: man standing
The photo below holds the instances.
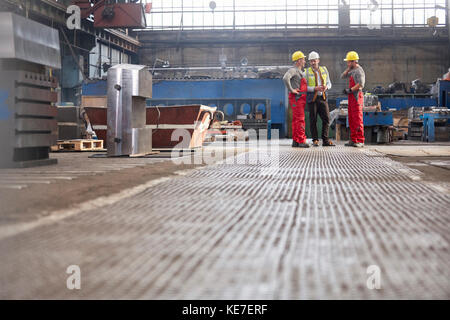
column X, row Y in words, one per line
column 319, row 82
column 357, row 80
column 295, row 82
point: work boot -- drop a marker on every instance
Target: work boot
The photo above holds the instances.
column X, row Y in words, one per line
column 350, row 143
column 359, row 145
column 315, row 143
column 328, row 143
column 294, row 144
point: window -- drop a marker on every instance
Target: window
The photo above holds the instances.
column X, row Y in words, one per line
column 273, row 14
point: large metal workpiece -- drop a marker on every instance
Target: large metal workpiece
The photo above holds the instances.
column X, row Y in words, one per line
column 128, row 87
column 171, row 125
column 28, row 125
column 180, row 127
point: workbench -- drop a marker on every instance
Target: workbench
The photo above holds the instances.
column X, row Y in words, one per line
column 378, row 126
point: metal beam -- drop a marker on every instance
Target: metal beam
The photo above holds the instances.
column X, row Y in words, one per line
column 386, row 35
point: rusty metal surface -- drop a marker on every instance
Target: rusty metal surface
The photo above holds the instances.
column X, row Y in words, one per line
column 126, row 15
column 194, row 120
column 307, row 230
column 97, row 115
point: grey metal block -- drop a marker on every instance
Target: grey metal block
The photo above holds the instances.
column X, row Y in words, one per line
column 141, row 141
column 69, row 114
column 36, row 124
column 35, row 140
column 34, row 163
column 27, row 118
column 36, row 94
column 128, row 87
column 28, row 40
column 36, row 79
column 70, row 131
column 35, row 109
column 138, row 76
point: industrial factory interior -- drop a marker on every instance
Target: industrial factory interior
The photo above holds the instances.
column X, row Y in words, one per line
column 229, row 150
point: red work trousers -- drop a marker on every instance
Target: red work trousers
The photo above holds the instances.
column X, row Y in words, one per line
column 298, row 113
column 355, row 115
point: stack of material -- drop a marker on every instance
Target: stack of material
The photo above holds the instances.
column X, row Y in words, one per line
column 401, row 123
column 415, row 123
column 70, row 124
column 371, row 100
column 226, row 130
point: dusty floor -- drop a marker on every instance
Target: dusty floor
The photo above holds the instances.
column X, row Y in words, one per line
column 27, row 194
column 270, row 223
column 432, row 159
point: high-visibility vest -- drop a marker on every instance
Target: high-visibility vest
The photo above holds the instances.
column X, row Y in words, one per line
column 312, row 79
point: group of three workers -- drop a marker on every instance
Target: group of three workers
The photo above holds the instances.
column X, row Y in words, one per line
column 309, row 88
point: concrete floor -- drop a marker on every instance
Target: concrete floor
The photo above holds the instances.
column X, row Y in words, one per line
column 268, row 222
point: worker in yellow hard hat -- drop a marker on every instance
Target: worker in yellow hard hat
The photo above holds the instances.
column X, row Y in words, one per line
column 295, row 82
column 357, row 80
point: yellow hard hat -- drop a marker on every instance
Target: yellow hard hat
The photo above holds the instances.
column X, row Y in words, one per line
column 297, row 55
column 352, row 56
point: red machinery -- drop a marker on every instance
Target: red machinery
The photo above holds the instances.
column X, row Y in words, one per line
column 113, row 13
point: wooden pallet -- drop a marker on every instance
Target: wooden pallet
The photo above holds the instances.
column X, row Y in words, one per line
column 78, row 145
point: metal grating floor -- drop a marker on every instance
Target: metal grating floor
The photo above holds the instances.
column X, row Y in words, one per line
column 308, row 230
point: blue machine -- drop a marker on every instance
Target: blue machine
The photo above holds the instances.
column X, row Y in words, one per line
column 400, row 102
column 383, row 118
column 377, row 125
column 429, row 118
column 372, row 119
column 443, row 115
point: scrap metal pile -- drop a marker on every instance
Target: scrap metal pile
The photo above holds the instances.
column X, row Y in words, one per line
column 417, row 86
